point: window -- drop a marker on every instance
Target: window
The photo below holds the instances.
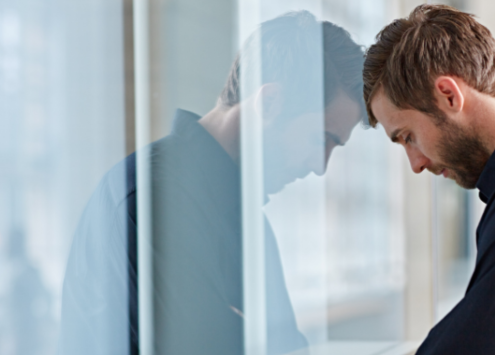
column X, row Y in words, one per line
column 230, row 235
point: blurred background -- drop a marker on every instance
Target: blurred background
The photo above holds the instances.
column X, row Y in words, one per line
column 371, row 253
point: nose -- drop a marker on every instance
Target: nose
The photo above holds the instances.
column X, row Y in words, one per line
column 320, row 170
column 320, row 166
column 417, row 159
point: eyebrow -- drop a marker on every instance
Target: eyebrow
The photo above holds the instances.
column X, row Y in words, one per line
column 395, row 133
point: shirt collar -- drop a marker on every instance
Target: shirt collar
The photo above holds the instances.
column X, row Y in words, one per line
column 217, row 168
column 486, row 181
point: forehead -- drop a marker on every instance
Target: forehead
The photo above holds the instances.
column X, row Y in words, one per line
column 342, row 114
column 339, row 118
column 382, row 107
column 389, row 115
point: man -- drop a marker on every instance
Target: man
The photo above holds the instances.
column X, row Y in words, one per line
column 309, row 100
column 430, row 82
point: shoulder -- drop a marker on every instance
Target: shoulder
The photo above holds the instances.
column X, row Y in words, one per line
column 485, row 233
column 468, row 328
column 120, row 182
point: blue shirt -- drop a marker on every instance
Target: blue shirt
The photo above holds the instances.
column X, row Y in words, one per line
column 197, row 236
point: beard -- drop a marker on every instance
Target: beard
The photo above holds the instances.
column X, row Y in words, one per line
column 462, row 153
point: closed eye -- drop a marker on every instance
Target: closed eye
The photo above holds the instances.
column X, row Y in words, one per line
column 408, row 139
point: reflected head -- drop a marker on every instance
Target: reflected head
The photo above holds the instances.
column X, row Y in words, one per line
column 312, row 61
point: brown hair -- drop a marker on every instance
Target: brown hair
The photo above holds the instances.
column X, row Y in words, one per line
column 411, row 52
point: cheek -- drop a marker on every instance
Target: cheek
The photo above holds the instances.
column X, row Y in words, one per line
column 300, row 143
column 429, row 138
column 296, row 152
column 427, row 146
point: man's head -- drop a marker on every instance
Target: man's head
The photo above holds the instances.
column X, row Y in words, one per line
column 310, row 92
column 428, row 80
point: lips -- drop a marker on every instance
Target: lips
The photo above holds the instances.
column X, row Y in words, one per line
column 445, row 173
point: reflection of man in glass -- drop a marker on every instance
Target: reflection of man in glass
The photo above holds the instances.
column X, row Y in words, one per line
column 429, row 80
column 309, row 100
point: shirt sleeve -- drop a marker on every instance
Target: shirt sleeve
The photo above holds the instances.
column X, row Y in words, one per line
column 95, row 316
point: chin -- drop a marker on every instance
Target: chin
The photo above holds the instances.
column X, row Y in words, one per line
column 468, row 183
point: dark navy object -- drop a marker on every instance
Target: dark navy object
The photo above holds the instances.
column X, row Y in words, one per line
column 470, row 327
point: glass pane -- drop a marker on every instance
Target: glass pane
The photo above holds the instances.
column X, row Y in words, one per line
column 62, row 104
column 458, row 213
column 340, row 232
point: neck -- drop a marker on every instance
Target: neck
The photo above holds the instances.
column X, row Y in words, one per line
column 483, row 114
column 223, row 124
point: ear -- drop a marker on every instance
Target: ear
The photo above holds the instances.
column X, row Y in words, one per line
column 268, row 101
column 449, row 95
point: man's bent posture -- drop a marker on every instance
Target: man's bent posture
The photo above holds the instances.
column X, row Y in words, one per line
column 430, row 82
